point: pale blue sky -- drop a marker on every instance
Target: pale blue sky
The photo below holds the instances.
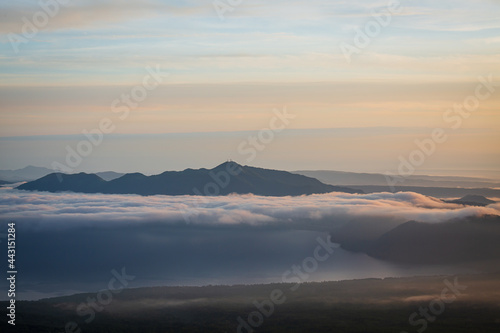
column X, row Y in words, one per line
column 227, row 76
column 107, row 42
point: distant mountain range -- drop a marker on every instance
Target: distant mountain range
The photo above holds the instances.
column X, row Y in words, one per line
column 437, row 192
column 374, row 179
column 337, row 178
column 32, row 173
column 436, row 186
column 224, row 179
column 24, row 174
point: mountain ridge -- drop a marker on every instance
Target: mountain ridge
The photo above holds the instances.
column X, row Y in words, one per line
column 224, row 179
column 350, row 179
column 31, row 172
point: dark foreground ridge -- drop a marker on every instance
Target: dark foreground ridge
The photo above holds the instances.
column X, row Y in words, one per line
column 439, row 304
column 227, row 178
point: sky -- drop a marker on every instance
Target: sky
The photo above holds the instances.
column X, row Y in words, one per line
column 221, row 74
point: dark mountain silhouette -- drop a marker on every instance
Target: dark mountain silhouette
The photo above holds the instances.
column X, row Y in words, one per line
column 59, row 182
column 456, row 241
column 465, row 240
column 224, row 179
column 472, row 200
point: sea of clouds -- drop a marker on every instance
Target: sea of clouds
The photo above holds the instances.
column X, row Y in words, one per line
column 66, row 210
column 69, row 242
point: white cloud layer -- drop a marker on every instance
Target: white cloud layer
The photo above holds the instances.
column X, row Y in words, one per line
column 321, row 211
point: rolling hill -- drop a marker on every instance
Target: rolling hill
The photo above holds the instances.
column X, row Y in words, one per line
column 466, row 240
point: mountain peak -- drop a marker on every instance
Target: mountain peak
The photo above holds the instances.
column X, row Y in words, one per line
column 472, row 200
column 229, row 163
